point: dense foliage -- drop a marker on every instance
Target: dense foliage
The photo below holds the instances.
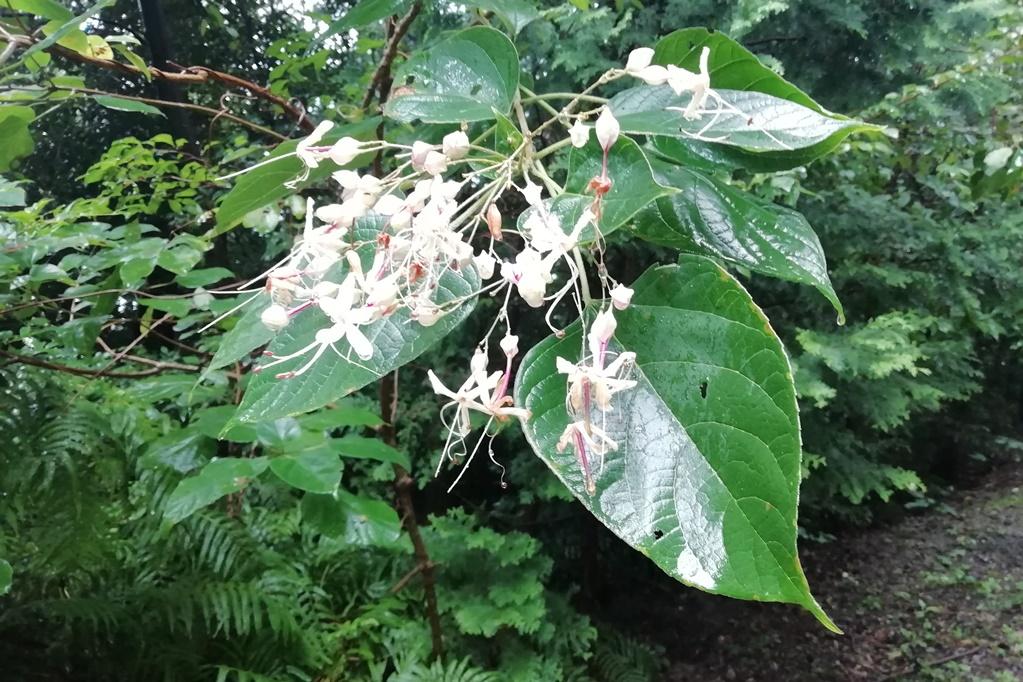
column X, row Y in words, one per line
column 148, row 532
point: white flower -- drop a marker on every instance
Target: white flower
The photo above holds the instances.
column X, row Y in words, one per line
column 426, row 313
column 531, row 274
column 607, row 129
column 621, row 297
column 485, row 264
column 579, row 133
column 347, row 317
column 533, row 194
column 639, row 59
column 435, row 163
column 305, row 152
column 682, row 80
column 344, row 151
column 455, row 145
column 585, row 437
column 342, row 215
column 275, row 317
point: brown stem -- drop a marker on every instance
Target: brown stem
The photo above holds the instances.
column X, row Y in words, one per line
column 78, row 371
column 190, row 75
column 382, row 76
column 403, row 487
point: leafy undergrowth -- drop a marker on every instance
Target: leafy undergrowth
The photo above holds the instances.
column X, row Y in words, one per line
column 936, row 597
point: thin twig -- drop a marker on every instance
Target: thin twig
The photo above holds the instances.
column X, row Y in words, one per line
column 382, row 73
column 78, row 371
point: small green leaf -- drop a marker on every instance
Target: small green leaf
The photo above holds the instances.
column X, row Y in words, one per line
column 370, row 522
column 315, row 469
column 467, row 77
column 705, row 477
column 633, row 186
column 182, row 450
column 6, row 577
column 14, row 131
column 358, row 447
column 69, row 26
column 134, row 60
column 11, row 195
column 325, row 513
column 122, row 104
column 218, row 478
column 516, row 14
column 211, row 421
column 203, row 277
column 709, row 216
column 363, row 13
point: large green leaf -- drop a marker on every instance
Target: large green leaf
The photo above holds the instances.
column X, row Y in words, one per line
column 363, row 13
column 358, row 447
column 516, row 14
column 705, row 480
column 265, row 185
column 467, row 77
column 64, row 29
column 122, row 104
column 710, row 216
column 218, row 478
column 633, row 186
column 756, row 121
column 396, row 340
column 361, row 520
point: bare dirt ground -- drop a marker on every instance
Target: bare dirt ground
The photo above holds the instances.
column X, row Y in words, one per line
column 934, row 597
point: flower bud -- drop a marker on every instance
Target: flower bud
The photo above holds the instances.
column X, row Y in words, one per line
column 344, row 151
column 639, row 59
column 419, row 151
column 427, row 314
column 455, row 145
column 494, row 222
column 275, row 317
column 604, row 326
column 621, row 297
column 653, row 75
column 579, row 133
column 348, row 179
column 435, row 163
column 510, row 345
column 484, row 263
column 607, row 129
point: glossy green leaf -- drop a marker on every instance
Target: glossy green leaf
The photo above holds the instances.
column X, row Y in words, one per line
column 325, row 513
column 210, row 422
column 218, row 478
column 396, row 340
column 14, row 131
column 712, row 217
column 358, row 447
column 756, row 122
column 315, row 469
column 265, row 185
column 6, row 577
column 633, row 186
column 203, row 277
column 705, row 480
column 466, row 77
column 122, row 104
column 248, row 334
column 515, row 14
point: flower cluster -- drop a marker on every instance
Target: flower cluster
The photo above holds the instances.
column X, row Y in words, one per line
column 382, row 249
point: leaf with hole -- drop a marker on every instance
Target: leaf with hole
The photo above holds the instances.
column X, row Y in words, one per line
column 705, row 479
column 467, row 77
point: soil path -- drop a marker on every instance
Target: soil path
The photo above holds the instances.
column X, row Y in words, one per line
column 935, row 597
